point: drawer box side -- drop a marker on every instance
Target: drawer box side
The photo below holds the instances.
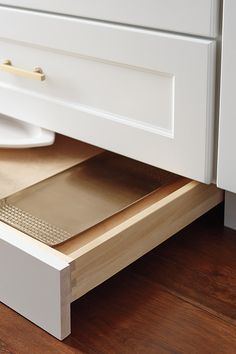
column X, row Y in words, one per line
column 106, row 255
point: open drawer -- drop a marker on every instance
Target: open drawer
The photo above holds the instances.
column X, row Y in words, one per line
column 40, row 281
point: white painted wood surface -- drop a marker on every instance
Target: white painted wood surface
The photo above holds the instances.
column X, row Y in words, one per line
column 35, row 281
column 230, row 210
column 199, row 17
column 144, row 94
column 226, row 176
column 18, row 134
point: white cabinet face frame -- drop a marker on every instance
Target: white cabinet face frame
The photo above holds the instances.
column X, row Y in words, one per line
column 226, row 174
column 199, row 17
column 171, row 77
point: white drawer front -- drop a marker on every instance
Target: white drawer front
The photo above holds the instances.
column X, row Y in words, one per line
column 140, row 93
column 35, row 281
column 199, row 17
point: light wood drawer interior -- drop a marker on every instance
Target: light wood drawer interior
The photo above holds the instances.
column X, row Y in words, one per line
column 104, row 249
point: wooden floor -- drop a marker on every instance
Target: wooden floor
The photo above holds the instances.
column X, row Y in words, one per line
column 180, row 298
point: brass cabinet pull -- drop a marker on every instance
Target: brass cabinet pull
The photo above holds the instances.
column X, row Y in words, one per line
column 36, row 74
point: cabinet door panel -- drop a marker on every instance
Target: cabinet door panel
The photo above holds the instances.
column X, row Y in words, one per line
column 140, row 93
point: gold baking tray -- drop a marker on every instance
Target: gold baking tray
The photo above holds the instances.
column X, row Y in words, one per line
column 77, row 199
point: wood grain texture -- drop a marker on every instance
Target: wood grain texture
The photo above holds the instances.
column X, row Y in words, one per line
column 136, row 312
column 19, row 336
column 157, row 321
column 108, row 253
column 199, row 264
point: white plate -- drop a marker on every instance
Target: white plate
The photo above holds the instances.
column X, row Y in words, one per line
column 17, row 134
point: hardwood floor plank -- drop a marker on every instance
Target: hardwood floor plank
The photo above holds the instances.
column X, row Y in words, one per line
column 199, row 264
column 133, row 314
column 4, row 348
column 19, row 336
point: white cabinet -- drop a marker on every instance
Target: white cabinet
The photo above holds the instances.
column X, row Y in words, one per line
column 126, row 81
column 136, row 92
column 200, row 17
column 227, row 127
column 226, row 172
